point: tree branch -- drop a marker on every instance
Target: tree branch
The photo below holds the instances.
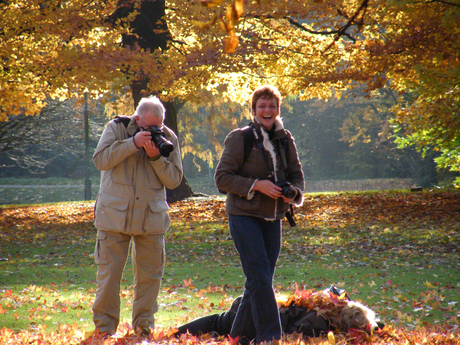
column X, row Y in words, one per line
column 440, row 1
column 340, row 32
column 331, row 32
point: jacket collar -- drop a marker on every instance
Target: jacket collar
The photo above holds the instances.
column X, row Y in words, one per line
column 132, row 127
column 278, row 125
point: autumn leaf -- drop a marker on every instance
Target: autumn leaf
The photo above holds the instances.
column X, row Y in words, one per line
column 230, row 43
column 211, row 3
column 205, row 25
column 331, row 338
column 238, row 6
column 233, row 341
column 188, row 283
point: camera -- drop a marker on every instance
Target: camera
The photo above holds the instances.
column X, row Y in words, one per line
column 287, row 190
column 163, row 144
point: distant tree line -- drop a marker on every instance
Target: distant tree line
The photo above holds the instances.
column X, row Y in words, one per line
column 346, row 138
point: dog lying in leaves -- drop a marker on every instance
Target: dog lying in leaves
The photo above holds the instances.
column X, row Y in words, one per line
column 306, row 312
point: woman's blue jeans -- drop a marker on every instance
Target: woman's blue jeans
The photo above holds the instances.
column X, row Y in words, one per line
column 258, row 243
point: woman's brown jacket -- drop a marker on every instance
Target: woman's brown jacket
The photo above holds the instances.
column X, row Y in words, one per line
column 237, row 177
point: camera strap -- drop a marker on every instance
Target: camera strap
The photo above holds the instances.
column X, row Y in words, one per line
column 283, row 147
column 290, row 216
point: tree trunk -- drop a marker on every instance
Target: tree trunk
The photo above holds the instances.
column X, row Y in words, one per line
column 150, row 31
column 183, row 191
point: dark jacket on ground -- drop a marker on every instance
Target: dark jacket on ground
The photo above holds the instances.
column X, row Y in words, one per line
column 294, row 319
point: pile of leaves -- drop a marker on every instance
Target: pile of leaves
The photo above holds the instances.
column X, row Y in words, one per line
column 325, row 303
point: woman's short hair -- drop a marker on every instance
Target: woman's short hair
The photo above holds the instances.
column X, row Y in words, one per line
column 266, row 92
column 153, row 105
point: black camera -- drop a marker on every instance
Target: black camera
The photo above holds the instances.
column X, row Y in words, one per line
column 163, row 144
column 287, row 190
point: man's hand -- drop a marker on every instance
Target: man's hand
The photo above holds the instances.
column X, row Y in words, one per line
column 141, row 138
column 151, row 149
column 144, row 139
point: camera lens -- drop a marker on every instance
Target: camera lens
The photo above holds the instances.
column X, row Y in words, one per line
column 289, row 192
column 166, row 147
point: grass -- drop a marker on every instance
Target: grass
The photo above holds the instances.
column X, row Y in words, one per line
column 404, row 268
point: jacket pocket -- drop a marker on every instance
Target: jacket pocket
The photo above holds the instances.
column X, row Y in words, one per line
column 111, row 212
column 157, row 220
column 254, row 204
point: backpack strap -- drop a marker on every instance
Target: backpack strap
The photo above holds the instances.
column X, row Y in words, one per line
column 248, row 138
column 251, row 136
column 123, row 119
column 284, row 151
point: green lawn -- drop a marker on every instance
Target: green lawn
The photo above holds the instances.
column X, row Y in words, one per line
column 405, row 268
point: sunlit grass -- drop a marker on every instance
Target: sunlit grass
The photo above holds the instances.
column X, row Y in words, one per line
column 407, row 271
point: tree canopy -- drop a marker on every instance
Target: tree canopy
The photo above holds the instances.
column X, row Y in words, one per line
column 312, row 49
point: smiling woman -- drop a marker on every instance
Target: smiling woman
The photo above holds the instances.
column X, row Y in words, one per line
column 256, row 204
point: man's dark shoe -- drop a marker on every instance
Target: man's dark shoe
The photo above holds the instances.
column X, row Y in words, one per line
column 142, row 331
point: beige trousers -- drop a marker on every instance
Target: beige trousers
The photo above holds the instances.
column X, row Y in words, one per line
column 148, row 257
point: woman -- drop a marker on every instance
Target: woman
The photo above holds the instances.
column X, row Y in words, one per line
column 256, row 206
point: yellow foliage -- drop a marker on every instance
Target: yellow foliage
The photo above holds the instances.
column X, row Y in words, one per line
column 224, row 49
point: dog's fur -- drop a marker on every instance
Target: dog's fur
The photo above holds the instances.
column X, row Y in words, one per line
column 356, row 315
column 342, row 313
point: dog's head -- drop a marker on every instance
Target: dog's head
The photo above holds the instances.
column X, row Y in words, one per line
column 356, row 315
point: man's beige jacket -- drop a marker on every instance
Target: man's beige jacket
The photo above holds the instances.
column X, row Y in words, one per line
column 132, row 196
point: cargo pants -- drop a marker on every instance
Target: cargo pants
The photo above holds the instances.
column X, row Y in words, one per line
column 148, row 258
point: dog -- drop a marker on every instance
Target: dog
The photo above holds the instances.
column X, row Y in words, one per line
column 357, row 315
column 336, row 308
column 310, row 313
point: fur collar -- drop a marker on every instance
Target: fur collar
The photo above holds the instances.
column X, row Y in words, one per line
column 268, row 145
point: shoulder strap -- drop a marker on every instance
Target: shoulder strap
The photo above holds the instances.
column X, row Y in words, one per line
column 251, row 136
column 123, row 119
column 284, row 151
column 248, row 138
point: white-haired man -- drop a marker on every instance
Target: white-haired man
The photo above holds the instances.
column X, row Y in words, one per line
column 131, row 208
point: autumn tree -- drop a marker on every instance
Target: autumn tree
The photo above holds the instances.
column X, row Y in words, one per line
column 224, row 48
column 148, row 31
column 311, row 48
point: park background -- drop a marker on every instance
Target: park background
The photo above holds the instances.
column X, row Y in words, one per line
column 371, row 94
column 340, row 144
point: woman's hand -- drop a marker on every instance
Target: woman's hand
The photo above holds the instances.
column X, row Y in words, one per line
column 268, row 188
column 286, row 200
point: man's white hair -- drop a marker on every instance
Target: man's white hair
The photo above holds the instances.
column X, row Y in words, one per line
column 153, row 105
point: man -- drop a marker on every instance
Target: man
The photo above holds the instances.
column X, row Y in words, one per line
column 131, row 208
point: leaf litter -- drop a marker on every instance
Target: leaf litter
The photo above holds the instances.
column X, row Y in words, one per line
column 379, row 227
